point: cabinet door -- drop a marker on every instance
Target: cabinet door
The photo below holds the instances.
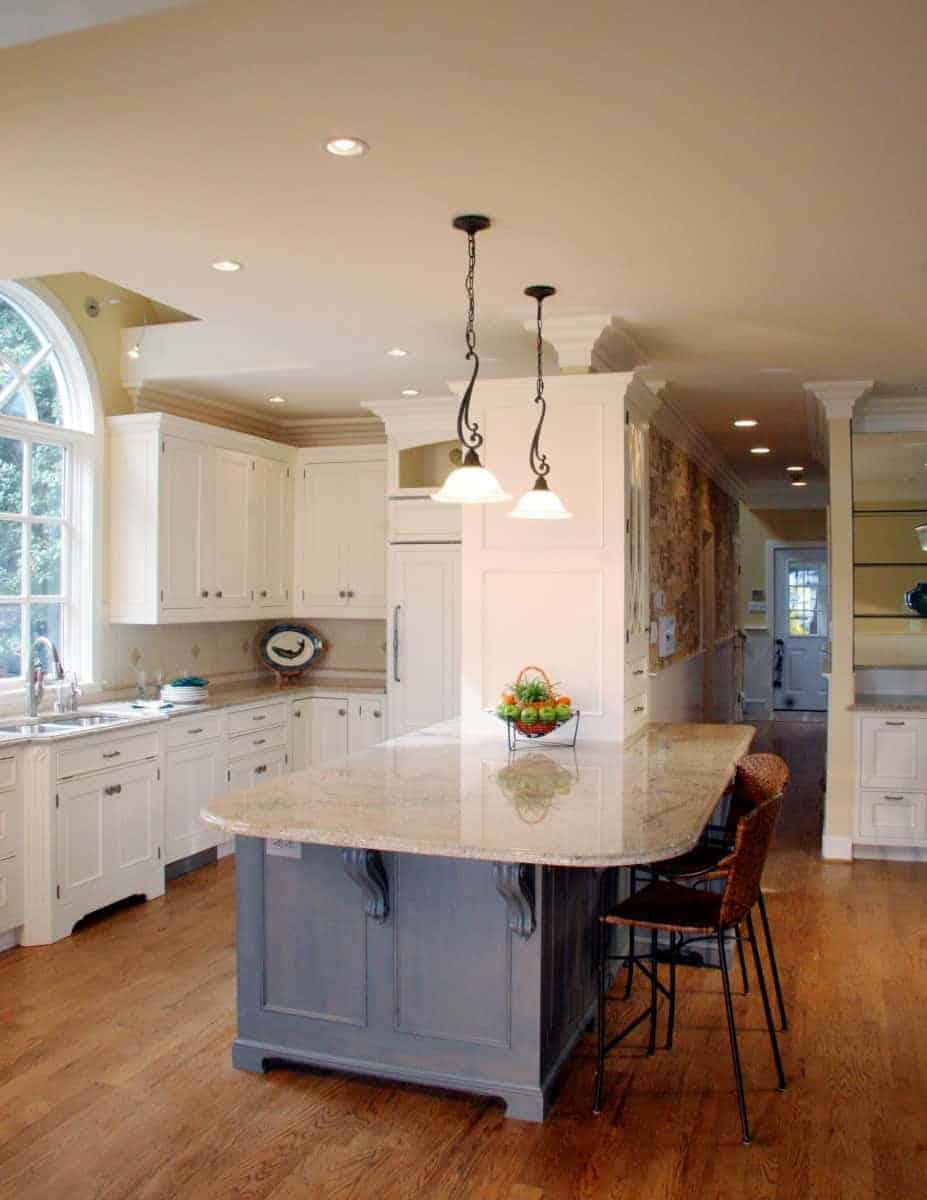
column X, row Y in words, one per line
column 366, row 724
column 636, row 538
column 231, row 506
column 257, row 768
column 300, row 725
column 11, row 892
column 424, row 667
column 328, row 730
column 894, row 750
column 184, row 526
column 195, row 775
column 326, row 508
column 109, row 837
column 273, row 591
column 365, row 548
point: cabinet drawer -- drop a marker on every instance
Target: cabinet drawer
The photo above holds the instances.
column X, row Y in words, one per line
column 256, row 740
column 189, row 730
column 423, row 521
column 893, row 753
column 245, row 719
column 7, row 773
column 635, row 714
column 893, row 816
column 635, row 678
column 81, row 758
column 11, row 893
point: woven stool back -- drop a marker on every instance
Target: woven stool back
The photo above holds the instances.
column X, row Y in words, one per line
column 745, row 863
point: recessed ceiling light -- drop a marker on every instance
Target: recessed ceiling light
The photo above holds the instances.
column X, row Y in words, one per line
column 795, row 469
column 346, row 147
column 397, row 352
column 276, row 400
column 410, row 391
column 759, row 449
column 134, row 351
column 799, row 483
column 744, row 423
column 226, row 264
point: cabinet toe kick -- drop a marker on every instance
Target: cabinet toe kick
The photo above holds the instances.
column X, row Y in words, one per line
column 365, row 868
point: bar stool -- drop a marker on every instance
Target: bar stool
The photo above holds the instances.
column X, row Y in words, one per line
column 689, row 914
column 757, row 778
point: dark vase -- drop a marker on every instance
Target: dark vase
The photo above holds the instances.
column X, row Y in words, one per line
column 916, row 599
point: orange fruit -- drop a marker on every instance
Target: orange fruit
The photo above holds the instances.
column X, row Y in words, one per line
column 508, row 698
column 564, row 700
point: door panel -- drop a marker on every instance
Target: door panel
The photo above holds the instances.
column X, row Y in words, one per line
column 232, row 473
column 366, row 547
column 184, row 500
column 277, row 548
column 366, row 724
column 325, row 521
column 801, row 628
column 328, row 735
column 195, row 775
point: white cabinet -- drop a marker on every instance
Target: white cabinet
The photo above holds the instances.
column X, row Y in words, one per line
column 11, row 856
column 195, row 774
column 341, row 535
column 254, row 769
column 366, row 724
column 199, row 522
column 424, row 669
column 108, row 834
column 892, row 799
column 326, row 727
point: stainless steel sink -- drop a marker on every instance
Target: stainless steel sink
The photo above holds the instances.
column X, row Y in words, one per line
column 40, row 729
column 84, row 722
column 59, row 723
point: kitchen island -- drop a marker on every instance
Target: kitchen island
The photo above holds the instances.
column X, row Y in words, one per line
column 426, row 910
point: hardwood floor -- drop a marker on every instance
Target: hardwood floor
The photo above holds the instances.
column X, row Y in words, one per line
column 115, row 1078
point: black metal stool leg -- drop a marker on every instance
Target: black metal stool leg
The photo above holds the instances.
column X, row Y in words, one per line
column 630, row 978
column 652, row 1043
column 738, row 937
column 672, row 996
column 772, row 963
column 770, row 1025
column 601, row 978
column 732, row 1033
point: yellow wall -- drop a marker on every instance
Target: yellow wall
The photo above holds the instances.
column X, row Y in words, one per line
column 102, row 334
column 757, row 526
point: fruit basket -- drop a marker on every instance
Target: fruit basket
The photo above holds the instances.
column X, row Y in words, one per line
column 533, row 707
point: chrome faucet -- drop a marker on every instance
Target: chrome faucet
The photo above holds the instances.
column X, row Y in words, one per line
column 36, row 677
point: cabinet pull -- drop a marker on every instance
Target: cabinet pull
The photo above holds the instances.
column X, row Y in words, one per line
column 639, row 672
column 894, row 722
column 350, row 594
column 342, row 712
column 259, row 742
column 205, row 593
column 396, row 643
column 112, row 754
column 219, row 594
column 113, row 790
column 899, row 799
column 377, row 713
column 342, row 593
column 261, row 769
column 190, row 732
column 259, row 717
column 263, row 594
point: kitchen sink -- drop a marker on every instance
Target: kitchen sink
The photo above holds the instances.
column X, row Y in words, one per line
column 39, row 729
column 84, row 722
column 60, row 723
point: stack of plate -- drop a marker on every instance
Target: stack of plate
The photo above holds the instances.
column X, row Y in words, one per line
column 184, row 694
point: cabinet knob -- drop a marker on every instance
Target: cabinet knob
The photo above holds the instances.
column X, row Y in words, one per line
column 342, row 593
column 350, row 593
column 219, row 594
column 377, row 713
column 342, row 712
column 264, row 594
column 204, row 593
column 113, row 790
column 297, row 712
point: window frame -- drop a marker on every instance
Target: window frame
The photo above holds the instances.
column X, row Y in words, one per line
column 80, row 436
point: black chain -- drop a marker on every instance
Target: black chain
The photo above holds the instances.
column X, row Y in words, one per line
column 538, row 461
column 471, row 301
column 469, row 431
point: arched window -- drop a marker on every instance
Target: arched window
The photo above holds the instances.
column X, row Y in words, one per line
column 48, row 464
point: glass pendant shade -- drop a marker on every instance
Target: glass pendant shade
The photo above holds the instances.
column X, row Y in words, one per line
column 540, row 504
column 471, row 484
column 921, row 531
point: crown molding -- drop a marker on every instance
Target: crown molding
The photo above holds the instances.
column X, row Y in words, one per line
column 573, row 337
column 291, row 431
column 416, row 420
column 891, row 414
column 683, row 431
column 777, row 495
column 838, row 396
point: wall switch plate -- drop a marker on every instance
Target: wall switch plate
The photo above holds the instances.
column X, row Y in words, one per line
column 658, row 600
column 666, row 636
column 281, row 848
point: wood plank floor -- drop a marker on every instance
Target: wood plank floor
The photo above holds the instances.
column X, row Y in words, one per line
column 115, row 1079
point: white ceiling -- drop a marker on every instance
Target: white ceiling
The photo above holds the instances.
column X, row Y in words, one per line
column 30, row 20
column 741, row 184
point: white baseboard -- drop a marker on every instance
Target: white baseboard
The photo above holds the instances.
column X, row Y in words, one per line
column 10, row 939
column 891, row 853
column 839, row 849
column 224, row 849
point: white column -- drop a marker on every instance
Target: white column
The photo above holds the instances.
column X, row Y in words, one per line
column 838, row 398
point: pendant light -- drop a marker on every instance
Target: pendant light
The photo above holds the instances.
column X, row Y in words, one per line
column 540, row 504
column 470, row 483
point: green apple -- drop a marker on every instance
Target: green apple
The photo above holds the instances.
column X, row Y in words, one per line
column 548, row 714
column 500, row 710
column 513, row 711
column 564, row 712
column 529, row 715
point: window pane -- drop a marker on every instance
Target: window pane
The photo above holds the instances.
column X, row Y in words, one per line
column 807, row 600
column 10, row 641
column 45, row 560
column 17, row 339
column 15, row 406
column 45, row 621
column 47, row 480
column 11, row 475
column 11, row 558
column 45, row 393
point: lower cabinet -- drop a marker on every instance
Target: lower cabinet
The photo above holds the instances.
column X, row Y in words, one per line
column 195, row 775
column 109, row 827
column 328, row 727
column 366, row 724
column 255, row 768
column 11, row 856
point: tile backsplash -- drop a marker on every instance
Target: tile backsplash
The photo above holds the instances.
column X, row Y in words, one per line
column 215, row 649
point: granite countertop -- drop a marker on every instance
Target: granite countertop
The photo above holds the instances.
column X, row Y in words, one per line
column 250, row 691
column 454, row 795
column 882, row 703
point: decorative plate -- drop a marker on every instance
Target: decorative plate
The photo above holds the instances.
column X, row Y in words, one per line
column 289, row 648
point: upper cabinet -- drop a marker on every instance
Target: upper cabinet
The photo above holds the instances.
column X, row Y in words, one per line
column 199, row 522
column 341, row 532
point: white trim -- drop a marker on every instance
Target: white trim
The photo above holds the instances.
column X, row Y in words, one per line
column 572, row 336
column 196, row 431
column 890, row 853
column 836, row 849
column 891, row 414
column 341, row 454
column 838, row 396
column 772, row 545
column 10, row 939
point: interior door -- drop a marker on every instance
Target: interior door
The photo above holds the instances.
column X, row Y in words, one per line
column 184, row 523
column 231, row 506
column 424, row 659
column 801, row 628
column 328, row 730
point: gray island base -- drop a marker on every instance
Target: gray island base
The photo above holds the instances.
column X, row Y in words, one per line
column 426, row 910
column 468, row 975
